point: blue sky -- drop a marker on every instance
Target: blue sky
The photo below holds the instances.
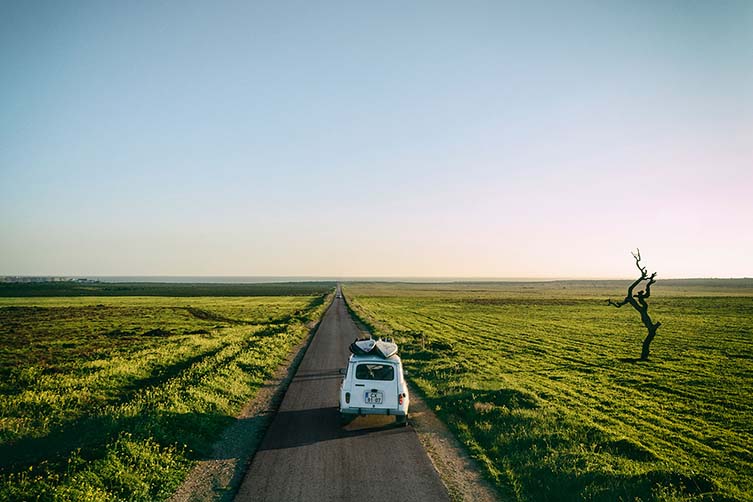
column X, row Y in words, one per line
column 473, row 139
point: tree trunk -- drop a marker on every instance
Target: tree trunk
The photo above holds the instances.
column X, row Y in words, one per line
column 647, row 342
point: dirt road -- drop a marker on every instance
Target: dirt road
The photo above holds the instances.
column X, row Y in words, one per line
column 306, row 453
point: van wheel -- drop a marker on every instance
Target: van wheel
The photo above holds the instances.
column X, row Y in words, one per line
column 401, row 420
column 346, row 418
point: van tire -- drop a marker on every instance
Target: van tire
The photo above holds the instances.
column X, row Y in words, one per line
column 401, row 420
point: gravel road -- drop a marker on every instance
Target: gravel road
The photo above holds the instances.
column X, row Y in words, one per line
column 306, row 453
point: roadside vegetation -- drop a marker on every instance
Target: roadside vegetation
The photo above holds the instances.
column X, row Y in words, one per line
column 541, row 383
column 112, row 398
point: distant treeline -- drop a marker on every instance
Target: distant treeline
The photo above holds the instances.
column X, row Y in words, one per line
column 163, row 289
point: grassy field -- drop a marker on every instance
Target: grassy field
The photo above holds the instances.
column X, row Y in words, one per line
column 111, row 398
column 540, row 383
column 162, row 289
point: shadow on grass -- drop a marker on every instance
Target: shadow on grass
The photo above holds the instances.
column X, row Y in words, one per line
column 632, row 360
column 551, row 485
column 536, row 453
column 91, row 435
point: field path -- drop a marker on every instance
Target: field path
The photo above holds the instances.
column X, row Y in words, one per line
column 307, row 455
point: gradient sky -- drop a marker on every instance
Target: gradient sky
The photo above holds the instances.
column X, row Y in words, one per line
column 470, row 139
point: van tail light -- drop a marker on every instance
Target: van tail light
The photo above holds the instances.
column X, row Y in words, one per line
column 347, row 398
column 400, row 399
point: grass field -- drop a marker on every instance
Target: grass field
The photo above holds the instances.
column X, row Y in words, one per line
column 539, row 382
column 10, row 289
column 111, row 398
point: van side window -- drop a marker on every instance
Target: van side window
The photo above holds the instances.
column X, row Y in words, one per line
column 375, row 371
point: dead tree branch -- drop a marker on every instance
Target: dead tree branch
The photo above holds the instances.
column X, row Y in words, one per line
column 638, row 302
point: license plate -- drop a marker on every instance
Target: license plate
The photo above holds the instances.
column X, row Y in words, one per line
column 373, row 398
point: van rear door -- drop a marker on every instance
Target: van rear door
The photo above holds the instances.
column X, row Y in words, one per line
column 375, row 385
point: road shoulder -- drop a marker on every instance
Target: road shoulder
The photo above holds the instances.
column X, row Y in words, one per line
column 459, row 472
column 218, row 478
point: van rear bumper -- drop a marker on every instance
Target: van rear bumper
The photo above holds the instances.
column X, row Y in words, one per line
column 373, row 411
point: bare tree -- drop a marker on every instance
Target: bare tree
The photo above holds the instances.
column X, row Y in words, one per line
column 638, row 302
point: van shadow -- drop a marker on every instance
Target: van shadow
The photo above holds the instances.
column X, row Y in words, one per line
column 296, row 428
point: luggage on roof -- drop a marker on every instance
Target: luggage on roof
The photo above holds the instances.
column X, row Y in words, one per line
column 382, row 348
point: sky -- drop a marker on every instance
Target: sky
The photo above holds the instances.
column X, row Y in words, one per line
column 421, row 139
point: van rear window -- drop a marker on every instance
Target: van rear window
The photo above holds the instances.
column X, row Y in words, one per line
column 375, row 371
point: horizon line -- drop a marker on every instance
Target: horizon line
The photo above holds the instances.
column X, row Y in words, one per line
column 353, row 278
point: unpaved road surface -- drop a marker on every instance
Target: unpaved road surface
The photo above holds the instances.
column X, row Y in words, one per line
column 306, row 453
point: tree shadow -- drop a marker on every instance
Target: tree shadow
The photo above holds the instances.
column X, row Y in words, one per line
column 631, row 360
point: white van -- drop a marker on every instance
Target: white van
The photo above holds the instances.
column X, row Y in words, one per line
column 374, row 385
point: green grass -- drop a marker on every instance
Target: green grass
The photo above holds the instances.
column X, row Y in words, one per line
column 540, row 383
column 45, row 289
column 112, row 398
